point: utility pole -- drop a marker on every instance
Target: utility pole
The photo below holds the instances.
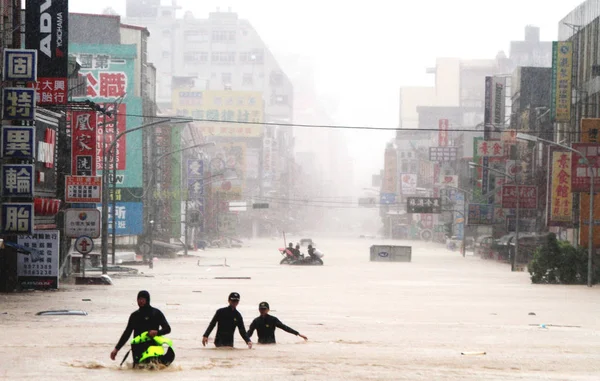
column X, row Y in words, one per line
column 185, row 231
column 104, row 238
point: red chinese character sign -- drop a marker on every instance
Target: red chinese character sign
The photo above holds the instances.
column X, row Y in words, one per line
column 443, row 133
column 51, row 91
column 525, row 196
column 106, row 85
column 561, row 211
column 490, row 148
column 581, row 172
column 83, row 143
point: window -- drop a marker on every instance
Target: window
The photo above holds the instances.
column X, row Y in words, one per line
column 195, row 35
column 223, row 57
column 276, row 78
column 166, row 54
column 195, row 57
column 279, row 99
column 166, row 13
column 226, row 78
column 166, row 33
column 223, row 36
column 251, row 57
column 247, row 79
column 402, row 155
column 404, row 167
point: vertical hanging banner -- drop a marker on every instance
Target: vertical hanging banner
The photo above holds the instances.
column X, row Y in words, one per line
column 561, row 205
column 195, row 179
column 390, row 183
column 47, row 31
column 562, row 73
column 83, row 143
column 487, row 111
column 443, row 133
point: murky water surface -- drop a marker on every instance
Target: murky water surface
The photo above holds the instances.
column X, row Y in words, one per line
column 364, row 321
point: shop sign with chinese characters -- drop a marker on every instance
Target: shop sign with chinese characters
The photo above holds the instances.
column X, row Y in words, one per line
column 39, row 269
column 83, row 143
column 19, row 103
column 82, row 222
column 195, row 179
column 480, row 214
column 128, row 217
column 17, row 218
column 442, row 153
column 51, row 91
column 18, row 142
column 424, row 205
column 18, row 180
column 581, row 176
column 83, row 189
column 561, row 211
column 490, row 148
column 20, row 65
column 443, row 132
column 526, row 197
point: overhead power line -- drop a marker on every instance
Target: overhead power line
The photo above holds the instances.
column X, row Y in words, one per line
column 303, row 125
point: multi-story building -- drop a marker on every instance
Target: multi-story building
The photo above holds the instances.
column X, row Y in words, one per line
column 221, row 51
column 531, row 51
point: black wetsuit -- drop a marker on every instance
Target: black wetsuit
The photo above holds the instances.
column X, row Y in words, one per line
column 265, row 328
column 228, row 319
column 145, row 319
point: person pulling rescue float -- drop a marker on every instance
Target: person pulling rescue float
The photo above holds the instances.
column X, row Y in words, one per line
column 266, row 324
column 227, row 318
column 148, row 325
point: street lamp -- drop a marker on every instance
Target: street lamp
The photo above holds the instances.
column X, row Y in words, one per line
column 585, row 160
column 105, row 194
column 153, row 185
column 514, row 179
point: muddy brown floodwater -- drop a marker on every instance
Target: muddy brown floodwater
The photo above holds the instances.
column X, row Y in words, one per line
column 364, row 321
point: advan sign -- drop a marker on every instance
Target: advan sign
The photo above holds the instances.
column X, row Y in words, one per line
column 46, row 30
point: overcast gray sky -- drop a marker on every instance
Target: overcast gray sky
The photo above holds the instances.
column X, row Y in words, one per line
column 365, row 50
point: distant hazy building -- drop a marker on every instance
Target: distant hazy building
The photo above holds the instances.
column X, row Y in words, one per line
column 221, row 51
column 531, row 51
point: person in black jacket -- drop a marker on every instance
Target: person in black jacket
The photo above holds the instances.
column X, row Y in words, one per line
column 265, row 326
column 227, row 318
column 145, row 319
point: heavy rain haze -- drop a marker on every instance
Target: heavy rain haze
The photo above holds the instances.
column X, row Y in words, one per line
column 398, row 190
column 361, row 52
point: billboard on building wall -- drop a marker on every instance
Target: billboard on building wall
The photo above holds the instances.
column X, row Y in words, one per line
column 244, row 108
column 562, row 80
column 47, row 31
column 110, row 73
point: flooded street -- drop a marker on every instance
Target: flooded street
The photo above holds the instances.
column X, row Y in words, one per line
column 379, row 321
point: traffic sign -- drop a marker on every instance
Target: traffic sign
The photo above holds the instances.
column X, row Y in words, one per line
column 84, row 245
